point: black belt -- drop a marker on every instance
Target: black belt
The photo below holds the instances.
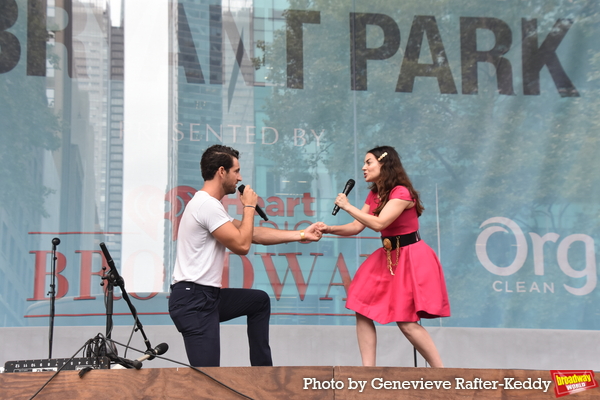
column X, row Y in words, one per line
column 183, row 285
column 393, row 242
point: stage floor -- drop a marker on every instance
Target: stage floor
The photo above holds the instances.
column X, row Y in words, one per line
column 265, row 383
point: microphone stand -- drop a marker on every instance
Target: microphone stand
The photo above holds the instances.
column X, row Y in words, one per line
column 109, row 306
column 52, row 293
column 114, row 279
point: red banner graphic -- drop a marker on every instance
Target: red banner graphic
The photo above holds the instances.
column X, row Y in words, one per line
column 569, row 382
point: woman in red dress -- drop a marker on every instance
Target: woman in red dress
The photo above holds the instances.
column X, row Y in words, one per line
column 402, row 281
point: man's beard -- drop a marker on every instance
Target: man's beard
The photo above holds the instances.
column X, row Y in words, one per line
column 230, row 189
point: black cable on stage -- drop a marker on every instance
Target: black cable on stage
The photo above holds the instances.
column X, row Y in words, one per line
column 105, row 306
column 94, row 346
column 189, row 366
column 60, row 369
column 130, row 336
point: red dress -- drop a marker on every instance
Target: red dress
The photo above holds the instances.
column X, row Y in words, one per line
column 416, row 290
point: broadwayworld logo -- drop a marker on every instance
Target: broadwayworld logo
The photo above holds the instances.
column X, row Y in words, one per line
column 568, row 382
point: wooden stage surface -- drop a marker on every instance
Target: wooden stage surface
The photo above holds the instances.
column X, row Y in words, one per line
column 265, row 383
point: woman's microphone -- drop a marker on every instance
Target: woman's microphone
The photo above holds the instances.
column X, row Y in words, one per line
column 347, row 189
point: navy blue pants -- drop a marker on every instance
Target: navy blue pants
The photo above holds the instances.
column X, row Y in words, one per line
column 197, row 310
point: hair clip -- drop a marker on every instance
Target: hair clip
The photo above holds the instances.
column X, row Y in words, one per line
column 381, row 156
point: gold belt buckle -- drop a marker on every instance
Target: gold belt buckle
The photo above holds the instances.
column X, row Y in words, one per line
column 387, row 244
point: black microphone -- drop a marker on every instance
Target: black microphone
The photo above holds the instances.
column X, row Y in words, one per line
column 114, row 274
column 347, row 189
column 157, row 351
column 55, row 242
column 137, row 363
column 258, row 209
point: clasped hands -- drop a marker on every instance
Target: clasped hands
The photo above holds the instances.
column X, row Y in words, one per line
column 315, row 232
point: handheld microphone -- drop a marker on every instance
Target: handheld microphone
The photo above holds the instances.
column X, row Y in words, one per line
column 258, row 209
column 55, row 242
column 347, row 189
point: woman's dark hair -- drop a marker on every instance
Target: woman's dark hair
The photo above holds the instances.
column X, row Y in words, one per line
column 392, row 174
column 217, row 156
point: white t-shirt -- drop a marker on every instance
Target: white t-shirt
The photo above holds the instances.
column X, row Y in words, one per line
column 200, row 256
